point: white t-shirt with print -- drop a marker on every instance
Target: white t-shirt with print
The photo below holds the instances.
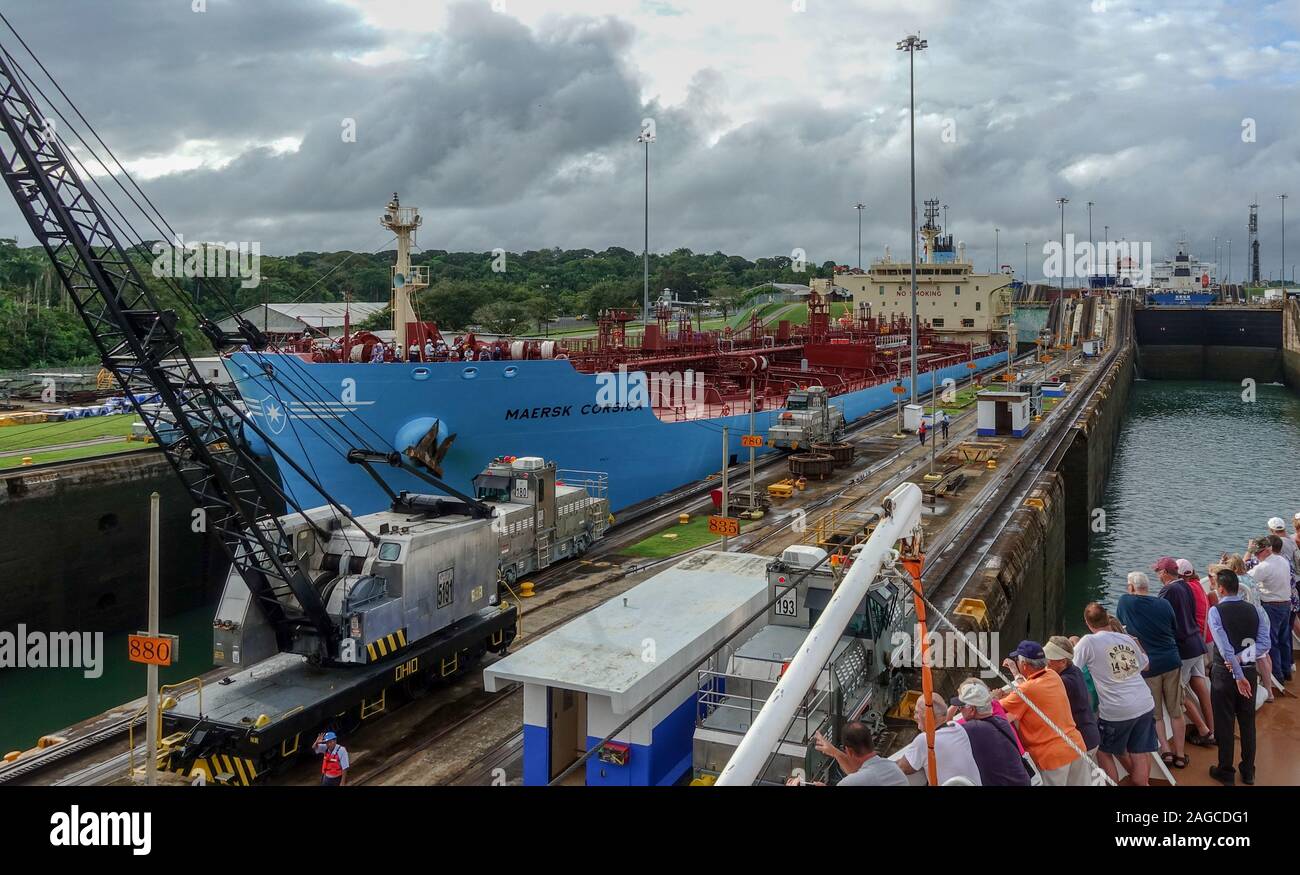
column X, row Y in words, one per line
column 1115, row 662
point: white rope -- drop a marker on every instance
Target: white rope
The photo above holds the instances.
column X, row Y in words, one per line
column 1098, row 773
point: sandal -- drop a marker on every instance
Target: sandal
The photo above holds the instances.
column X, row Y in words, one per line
column 1181, row 762
column 1203, row 740
column 1168, row 758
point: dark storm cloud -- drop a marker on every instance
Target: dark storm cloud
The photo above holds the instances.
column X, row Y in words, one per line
column 523, row 137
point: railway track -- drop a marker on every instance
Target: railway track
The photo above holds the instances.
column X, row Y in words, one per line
column 634, row 524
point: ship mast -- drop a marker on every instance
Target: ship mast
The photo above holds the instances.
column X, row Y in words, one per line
column 403, row 221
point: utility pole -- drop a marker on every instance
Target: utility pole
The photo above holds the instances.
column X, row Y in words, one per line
column 726, row 496
column 151, row 670
column 859, row 207
column 1282, row 275
column 753, row 491
column 1092, row 258
column 913, row 44
column 647, row 137
column 1060, row 336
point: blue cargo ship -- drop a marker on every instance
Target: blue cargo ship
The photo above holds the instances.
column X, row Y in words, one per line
column 647, row 409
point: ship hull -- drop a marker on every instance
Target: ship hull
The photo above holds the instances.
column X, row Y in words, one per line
column 494, row 408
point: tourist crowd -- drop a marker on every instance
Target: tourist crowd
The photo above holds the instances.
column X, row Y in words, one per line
column 1183, row 660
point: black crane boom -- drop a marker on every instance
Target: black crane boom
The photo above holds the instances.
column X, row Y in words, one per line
column 140, row 345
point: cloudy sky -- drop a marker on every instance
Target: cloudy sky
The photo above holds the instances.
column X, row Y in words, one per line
column 513, row 123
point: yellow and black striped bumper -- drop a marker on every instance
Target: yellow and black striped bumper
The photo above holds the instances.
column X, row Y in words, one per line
column 390, row 643
column 224, row 769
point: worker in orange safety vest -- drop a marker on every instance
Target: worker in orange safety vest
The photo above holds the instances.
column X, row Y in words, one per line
column 334, row 766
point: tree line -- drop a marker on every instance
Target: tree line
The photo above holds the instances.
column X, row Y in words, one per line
column 503, row 292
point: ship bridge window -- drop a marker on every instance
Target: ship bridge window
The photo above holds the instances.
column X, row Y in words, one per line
column 389, row 551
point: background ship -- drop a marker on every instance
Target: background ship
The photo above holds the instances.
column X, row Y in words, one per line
column 647, row 409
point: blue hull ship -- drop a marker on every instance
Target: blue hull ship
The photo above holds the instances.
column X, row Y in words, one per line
column 311, row 411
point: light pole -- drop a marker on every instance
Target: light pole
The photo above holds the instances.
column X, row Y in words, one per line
column 859, row 208
column 945, row 221
column 1026, row 264
column 1092, row 260
column 646, row 136
column 1229, row 280
column 997, row 251
column 912, row 44
column 1060, row 334
column 1106, row 245
column 1216, row 257
column 1282, row 275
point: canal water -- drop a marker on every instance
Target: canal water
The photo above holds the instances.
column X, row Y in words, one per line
column 1197, row 471
column 36, row 702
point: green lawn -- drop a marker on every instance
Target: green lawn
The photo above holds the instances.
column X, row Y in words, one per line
column 107, row 449
column 48, row 434
column 662, row 544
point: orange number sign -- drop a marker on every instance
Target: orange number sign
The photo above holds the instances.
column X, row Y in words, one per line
column 724, row 525
column 152, row 651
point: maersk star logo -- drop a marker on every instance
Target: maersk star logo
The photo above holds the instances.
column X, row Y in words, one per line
column 275, row 417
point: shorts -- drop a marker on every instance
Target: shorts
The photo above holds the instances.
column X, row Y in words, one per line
column 1167, row 690
column 1194, row 667
column 1120, row 737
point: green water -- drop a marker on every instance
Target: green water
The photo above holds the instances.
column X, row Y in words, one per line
column 1197, row 471
column 39, row 701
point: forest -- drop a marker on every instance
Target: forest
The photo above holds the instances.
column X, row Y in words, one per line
column 503, row 292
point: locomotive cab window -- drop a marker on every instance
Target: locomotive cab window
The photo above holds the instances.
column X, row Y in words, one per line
column 493, row 488
column 389, row 551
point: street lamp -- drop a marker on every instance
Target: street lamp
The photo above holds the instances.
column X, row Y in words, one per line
column 913, row 44
column 1060, row 334
column 646, row 136
column 1282, row 198
column 1092, row 259
column 859, row 208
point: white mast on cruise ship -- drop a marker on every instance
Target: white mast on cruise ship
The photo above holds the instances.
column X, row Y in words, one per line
column 403, row 221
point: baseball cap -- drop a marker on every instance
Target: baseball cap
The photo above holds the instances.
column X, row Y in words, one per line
column 1029, row 650
column 1058, row 647
column 330, row 736
column 973, row 693
column 1185, row 568
column 1166, row 564
column 1275, row 524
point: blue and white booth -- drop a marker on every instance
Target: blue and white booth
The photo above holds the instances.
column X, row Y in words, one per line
column 1002, row 412
column 586, row 677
